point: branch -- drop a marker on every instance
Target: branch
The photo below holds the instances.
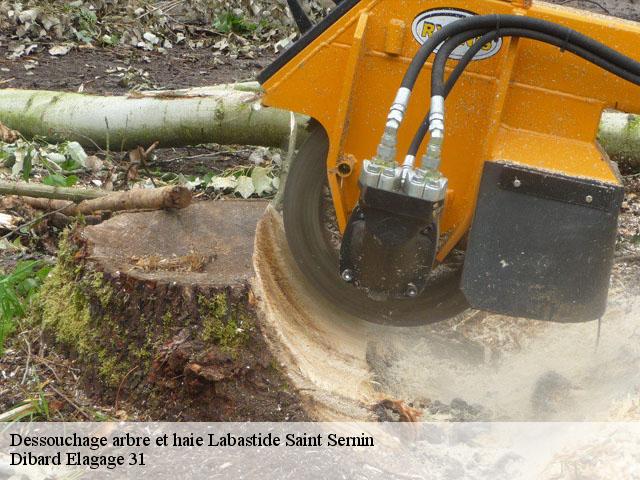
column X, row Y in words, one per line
column 165, row 198
column 38, row 190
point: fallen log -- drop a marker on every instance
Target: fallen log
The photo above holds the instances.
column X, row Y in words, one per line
column 165, row 198
column 224, row 114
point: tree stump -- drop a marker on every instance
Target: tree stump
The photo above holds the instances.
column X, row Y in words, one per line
column 157, row 309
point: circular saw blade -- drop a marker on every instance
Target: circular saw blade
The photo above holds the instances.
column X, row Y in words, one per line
column 314, row 244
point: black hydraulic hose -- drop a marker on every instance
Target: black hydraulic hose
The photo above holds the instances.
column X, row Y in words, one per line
column 439, row 87
column 451, row 82
column 499, row 22
column 437, row 79
column 299, row 15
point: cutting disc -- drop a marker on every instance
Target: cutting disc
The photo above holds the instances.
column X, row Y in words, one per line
column 314, row 242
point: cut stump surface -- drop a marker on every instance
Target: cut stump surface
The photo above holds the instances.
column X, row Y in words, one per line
column 207, row 244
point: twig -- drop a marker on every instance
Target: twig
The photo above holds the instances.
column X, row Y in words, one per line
column 17, row 412
column 120, row 387
column 71, row 402
column 26, row 368
column 202, row 155
column 592, row 2
column 165, row 8
column 33, row 222
column 44, row 362
column 98, row 148
column 143, row 161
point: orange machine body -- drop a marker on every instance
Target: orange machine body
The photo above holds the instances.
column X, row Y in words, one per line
column 527, row 103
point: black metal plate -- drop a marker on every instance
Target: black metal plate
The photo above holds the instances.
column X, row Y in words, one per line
column 556, row 187
column 538, row 251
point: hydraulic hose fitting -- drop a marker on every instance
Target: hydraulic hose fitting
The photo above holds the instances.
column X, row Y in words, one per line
column 409, row 161
column 401, row 101
column 387, row 150
column 429, row 185
column 407, row 166
column 433, row 155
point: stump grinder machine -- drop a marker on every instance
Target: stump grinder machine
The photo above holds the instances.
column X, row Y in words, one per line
column 452, row 159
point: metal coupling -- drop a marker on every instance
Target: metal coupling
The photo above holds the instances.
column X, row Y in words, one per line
column 407, row 167
column 436, row 114
column 387, row 150
column 382, row 177
column 370, row 176
column 409, row 162
column 435, row 187
column 426, row 184
column 433, row 155
column 390, row 179
column 400, row 103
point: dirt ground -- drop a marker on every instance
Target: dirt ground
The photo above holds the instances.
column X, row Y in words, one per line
column 104, row 70
column 29, row 366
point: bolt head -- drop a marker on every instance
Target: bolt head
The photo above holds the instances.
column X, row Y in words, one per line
column 347, row 276
column 412, row 291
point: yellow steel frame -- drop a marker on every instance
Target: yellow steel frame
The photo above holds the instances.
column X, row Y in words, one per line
column 530, row 104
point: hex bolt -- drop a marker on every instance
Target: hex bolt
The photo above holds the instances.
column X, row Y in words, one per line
column 517, row 183
column 589, row 199
column 427, row 230
column 412, row 291
column 347, row 276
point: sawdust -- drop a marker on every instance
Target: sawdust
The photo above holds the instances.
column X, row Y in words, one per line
column 193, row 262
column 604, row 456
column 472, row 367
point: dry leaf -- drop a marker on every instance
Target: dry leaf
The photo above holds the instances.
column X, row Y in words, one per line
column 93, row 163
column 59, row 50
column 7, row 135
column 407, row 414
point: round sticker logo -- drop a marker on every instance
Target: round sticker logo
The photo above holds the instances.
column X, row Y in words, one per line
column 429, row 22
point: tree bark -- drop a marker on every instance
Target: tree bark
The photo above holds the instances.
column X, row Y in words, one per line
column 224, row 114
